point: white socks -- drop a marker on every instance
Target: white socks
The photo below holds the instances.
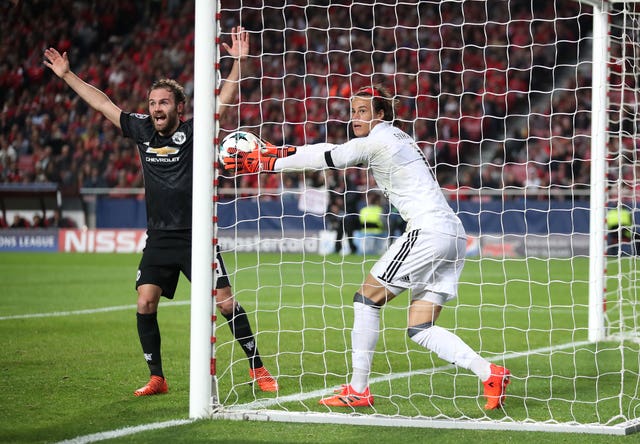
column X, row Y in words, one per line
column 452, row 349
column 364, row 337
column 448, row 346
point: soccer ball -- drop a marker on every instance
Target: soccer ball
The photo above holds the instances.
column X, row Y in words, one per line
column 240, row 141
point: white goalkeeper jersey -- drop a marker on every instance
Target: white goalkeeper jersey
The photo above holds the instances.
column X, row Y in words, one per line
column 399, row 168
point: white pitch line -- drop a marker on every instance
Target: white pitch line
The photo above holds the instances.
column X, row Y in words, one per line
column 264, row 403
column 126, row 431
column 83, row 312
column 244, row 303
column 261, row 403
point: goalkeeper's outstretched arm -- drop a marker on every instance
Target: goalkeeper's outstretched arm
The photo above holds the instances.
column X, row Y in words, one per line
column 307, row 157
column 272, row 159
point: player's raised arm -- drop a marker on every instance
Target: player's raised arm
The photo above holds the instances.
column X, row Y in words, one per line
column 239, row 50
column 96, row 99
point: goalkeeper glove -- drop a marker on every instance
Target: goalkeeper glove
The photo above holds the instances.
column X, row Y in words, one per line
column 252, row 162
column 279, row 152
column 269, row 148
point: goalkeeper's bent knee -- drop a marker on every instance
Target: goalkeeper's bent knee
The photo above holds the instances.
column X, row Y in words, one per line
column 415, row 329
column 357, row 297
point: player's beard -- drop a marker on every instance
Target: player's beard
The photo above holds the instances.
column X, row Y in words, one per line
column 168, row 124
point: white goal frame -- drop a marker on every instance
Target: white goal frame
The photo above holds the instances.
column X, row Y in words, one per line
column 203, row 386
column 203, row 398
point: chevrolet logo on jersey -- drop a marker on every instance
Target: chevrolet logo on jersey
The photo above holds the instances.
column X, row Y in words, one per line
column 164, row 154
column 164, row 151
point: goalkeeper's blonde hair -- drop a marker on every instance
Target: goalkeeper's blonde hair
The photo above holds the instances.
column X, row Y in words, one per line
column 382, row 100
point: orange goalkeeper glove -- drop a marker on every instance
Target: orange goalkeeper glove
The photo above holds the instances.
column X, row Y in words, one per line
column 252, row 162
column 269, row 148
column 279, row 152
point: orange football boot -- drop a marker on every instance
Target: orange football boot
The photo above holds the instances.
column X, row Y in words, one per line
column 348, row 397
column 495, row 388
column 265, row 381
column 157, row 385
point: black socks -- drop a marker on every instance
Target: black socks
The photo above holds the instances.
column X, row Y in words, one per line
column 149, row 334
column 241, row 329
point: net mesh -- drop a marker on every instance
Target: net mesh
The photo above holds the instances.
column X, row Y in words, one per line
column 498, row 96
column 621, row 174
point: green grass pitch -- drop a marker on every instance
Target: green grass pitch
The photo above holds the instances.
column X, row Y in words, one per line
column 70, row 357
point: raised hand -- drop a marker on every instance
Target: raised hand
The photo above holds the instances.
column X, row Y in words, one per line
column 59, row 64
column 239, row 48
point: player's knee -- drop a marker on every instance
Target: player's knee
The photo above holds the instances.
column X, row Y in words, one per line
column 148, row 299
column 225, row 302
column 226, row 306
column 357, row 297
column 412, row 331
column 147, row 307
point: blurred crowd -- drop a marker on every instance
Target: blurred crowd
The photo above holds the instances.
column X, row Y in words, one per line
column 50, row 135
column 55, row 220
column 466, row 76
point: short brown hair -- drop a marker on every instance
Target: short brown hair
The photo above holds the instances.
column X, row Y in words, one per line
column 173, row 86
column 382, row 100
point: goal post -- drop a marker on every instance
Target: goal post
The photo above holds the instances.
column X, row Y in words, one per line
column 525, row 111
column 203, row 399
column 598, row 171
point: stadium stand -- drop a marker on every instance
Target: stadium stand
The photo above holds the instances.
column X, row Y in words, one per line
column 48, row 135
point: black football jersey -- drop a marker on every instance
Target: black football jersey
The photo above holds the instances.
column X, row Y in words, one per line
column 167, row 166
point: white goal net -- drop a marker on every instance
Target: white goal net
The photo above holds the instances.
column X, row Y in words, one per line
column 526, row 111
column 622, row 189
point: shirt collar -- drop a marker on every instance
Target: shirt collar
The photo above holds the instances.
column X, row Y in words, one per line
column 379, row 127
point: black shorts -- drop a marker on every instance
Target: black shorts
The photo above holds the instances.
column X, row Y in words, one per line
column 165, row 255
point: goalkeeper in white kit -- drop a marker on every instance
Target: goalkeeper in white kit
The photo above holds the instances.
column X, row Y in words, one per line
column 427, row 259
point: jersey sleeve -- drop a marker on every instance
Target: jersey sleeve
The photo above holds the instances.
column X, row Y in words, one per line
column 351, row 153
column 307, row 157
column 133, row 125
column 325, row 155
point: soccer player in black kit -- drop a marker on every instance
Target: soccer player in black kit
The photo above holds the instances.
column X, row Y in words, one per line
column 165, row 144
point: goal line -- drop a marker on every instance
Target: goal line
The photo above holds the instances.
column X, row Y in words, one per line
column 258, row 410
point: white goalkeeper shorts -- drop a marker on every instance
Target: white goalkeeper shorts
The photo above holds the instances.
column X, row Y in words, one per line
column 427, row 263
